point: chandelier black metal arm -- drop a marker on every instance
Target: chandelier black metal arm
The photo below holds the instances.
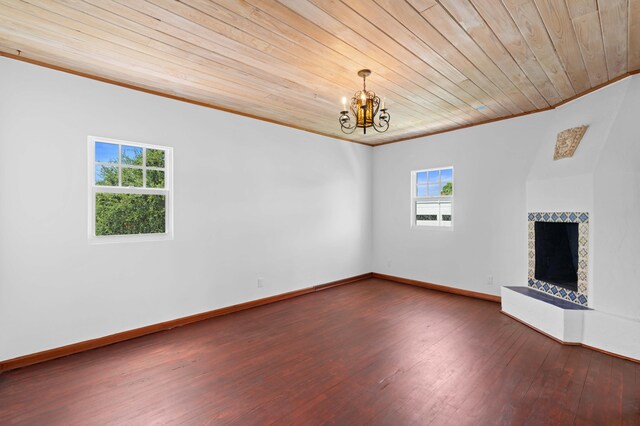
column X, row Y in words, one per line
column 365, row 110
column 345, row 123
column 383, row 121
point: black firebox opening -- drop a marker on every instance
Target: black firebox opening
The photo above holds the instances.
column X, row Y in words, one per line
column 557, row 253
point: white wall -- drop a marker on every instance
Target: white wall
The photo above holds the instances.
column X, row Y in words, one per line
column 251, row 200
column 617, row 210
column 491, row 163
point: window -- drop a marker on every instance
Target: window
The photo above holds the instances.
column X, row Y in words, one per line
column 130, row 191
column 432, row 197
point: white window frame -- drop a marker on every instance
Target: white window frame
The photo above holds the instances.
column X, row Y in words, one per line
column 167, row 191
column 415, row 198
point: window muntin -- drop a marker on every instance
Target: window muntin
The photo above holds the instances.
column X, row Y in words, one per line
column 432, row 197
column 130, row 197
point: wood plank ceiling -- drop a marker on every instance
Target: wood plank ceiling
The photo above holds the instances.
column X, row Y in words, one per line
column 440, row 64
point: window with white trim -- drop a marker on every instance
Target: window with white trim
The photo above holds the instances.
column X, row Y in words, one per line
column 432, row 197
column 130, row 191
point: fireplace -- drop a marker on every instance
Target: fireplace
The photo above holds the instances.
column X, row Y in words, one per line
column 558, row 254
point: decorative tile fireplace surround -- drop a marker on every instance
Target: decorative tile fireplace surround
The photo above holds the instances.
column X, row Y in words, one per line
column 582, row 219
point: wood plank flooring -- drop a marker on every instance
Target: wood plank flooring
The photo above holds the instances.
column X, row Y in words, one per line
column 372, row 352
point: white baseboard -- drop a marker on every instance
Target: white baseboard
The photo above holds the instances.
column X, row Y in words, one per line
column 612, row 333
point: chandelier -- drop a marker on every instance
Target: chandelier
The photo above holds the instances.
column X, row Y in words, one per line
column 364, row 108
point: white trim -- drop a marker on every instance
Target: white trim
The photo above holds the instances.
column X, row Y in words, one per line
column 167, row 191
column 129, row 143
column 131, row 190
column 132, row 238
column 128, row 166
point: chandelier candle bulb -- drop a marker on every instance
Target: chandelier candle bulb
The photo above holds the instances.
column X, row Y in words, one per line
column 368, row 111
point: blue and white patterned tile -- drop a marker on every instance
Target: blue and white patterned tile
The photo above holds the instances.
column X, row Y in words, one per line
column 583, row 232
column 583, row 229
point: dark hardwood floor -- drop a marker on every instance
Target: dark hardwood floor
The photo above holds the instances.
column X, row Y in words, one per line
column 372, row 352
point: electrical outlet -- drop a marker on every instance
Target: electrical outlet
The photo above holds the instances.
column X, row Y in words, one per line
column 260, row 282
column 490, row 280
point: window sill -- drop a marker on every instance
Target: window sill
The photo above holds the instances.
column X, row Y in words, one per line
column 140, row 238
column 433, row 228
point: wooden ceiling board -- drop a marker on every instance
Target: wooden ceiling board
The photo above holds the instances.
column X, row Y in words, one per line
column 396, row 83
column 45, row 33
column 589, row 38
column 506, row 30
column 485, row 90
column 555, row 15
column 440, row 64
column 525, row 74
column 579, row 8
column 442, row 22
column 613, row 16
column 448, row 89
column 89, row 25
column 529, row 21
column 307, row 43
column 422, row 5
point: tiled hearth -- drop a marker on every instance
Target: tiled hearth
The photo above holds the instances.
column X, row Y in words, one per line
column 582, row 219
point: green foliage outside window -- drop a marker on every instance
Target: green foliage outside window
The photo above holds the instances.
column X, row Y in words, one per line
column 447, row 189
column 155, row 158
column 131, row 177
column 126, row 214
column 155, row 179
